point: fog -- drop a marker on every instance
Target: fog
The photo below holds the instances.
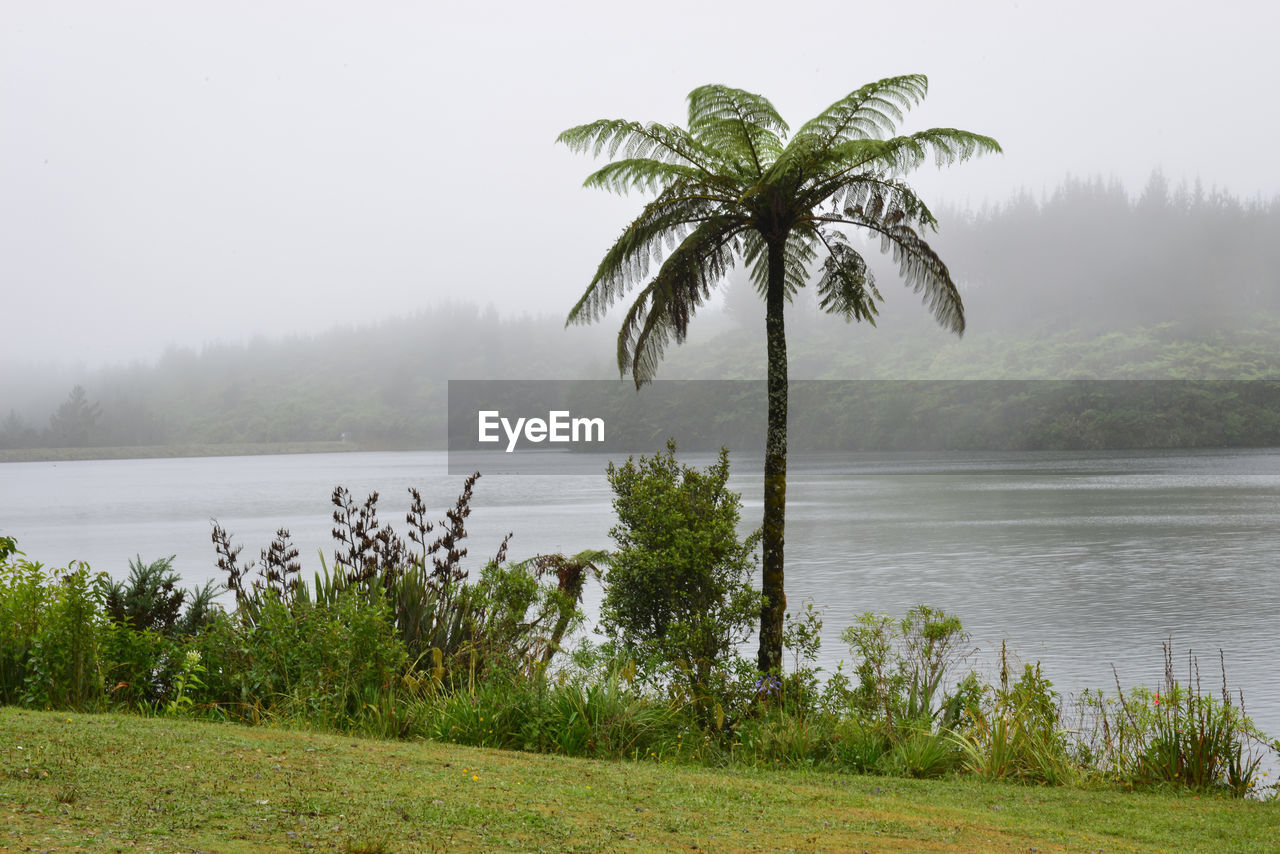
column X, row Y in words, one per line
column 176, row 175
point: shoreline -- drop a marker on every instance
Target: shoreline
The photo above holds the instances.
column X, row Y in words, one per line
column 153, row 452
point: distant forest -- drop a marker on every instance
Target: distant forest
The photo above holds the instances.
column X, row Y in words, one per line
column 1087, row 283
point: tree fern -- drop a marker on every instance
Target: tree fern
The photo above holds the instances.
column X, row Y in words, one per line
column 734, row 186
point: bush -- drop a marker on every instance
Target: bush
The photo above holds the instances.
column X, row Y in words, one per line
column 150, row 600
column 521, row 618
column 1014, row 731
column 492, row 713
column 62, row 667
column 902, row 665
column 1179, row 735
column 678, row 596
column 608, row 718
column 146, row 625
column 779, row 738
column 513, row 617
column 320, row 663
column 22, row 608
column 136, row 664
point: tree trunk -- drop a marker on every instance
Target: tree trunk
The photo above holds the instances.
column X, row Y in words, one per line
column 775, row 465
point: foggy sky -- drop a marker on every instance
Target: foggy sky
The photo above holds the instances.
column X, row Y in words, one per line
column 176, row 174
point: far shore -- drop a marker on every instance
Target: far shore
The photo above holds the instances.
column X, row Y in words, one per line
column 237, row 449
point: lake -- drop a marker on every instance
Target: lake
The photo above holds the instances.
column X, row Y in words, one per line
column 1078, row 560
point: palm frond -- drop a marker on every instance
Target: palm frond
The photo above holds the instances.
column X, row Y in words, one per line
column 901, row 154
column 952, row 145
column 870, row 112
column 737, row 123
column 641, row 173
column 873, row 194
column 919, row 266
column 731, row 173
column 847, row 287
column 664, row 222
column 669, row 143
column 663, row 308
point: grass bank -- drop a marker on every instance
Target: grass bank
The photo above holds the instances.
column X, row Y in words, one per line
column 126, row 783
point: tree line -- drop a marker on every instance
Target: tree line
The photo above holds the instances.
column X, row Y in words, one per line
column 1178, row 282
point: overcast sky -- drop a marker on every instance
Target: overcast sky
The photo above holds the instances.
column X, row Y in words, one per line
column 176, row 173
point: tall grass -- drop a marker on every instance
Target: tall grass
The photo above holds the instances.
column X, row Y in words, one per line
column 1014, row 731
column 1179, row 735
column 422, row 651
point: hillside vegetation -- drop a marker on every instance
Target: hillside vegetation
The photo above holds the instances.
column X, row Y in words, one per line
column 1176, row 284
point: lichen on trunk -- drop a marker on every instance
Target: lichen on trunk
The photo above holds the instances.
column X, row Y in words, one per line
column 775, row 466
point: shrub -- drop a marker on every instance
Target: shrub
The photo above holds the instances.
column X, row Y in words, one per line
column 491, row 713
column 520, row 618
column 678, row 596
column 918, row 751
column 860, row 747
column 801, row 691
column 62, row 667
column 136, row 664
column 512, row 617
column 902, row 665
column 319, row 663
column 150, row 599
column 777, row 737
column 22, row 608
column 145, row 625
column 1014, row 731
column 1178, row 735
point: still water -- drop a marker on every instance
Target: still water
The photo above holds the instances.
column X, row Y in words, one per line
column 1081, row 561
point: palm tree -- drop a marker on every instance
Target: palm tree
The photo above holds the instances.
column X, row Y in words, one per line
column 732, row 186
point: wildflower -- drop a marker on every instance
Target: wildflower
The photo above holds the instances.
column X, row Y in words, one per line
column 1157, row 700
column 767, row 685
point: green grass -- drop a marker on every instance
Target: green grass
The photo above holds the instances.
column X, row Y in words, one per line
column 126, row 783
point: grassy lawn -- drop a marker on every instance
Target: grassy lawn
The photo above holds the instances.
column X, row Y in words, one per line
column 125, row 783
